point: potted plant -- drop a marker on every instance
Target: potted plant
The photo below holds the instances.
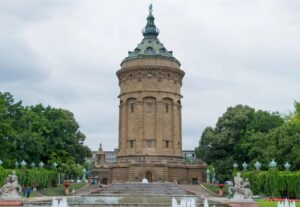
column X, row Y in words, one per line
column 221, row 191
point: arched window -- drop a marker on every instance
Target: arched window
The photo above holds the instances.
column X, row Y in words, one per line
column 149, row 50
column 131, row 103
column 131, row 143
column 149, row 107
column 149, row 101
column 168, row 103
column 179, row 104
column 162, row 50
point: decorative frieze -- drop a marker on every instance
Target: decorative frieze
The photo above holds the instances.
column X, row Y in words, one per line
column 147, row 72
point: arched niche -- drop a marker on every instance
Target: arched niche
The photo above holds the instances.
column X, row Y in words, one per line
column 149, row 103
column 131, row 104
column 168, row 102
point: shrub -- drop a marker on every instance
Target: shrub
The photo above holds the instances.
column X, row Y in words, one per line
column 275, row 183
column 40, row 178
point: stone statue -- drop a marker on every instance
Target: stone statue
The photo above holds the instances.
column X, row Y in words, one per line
column 9, row 190
column 241, row 189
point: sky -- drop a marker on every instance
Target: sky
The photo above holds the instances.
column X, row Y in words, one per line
column 65, row 53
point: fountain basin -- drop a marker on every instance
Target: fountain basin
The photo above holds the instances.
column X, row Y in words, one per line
column 119, row 201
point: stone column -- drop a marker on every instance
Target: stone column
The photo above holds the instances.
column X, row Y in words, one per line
column 159, row 127
column 140, row 130
column 121, row 142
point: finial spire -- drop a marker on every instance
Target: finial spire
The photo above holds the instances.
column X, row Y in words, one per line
column 150, row 28
column 150, row 9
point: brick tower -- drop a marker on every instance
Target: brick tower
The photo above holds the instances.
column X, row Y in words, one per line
column 150, row 79
column 150, row 131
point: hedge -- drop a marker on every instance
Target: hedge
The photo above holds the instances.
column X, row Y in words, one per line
column 274, row 183
column 39, row 178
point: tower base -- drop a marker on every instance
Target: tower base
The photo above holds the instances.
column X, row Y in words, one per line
column 154, row 170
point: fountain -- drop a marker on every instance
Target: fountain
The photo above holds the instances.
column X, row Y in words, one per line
column 174, row 202
column 129, row 194
column 205, row 203
column 185, row 202
column 59, row 203
column 286, row 203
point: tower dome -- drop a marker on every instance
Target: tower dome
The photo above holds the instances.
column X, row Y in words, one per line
column 150, row 45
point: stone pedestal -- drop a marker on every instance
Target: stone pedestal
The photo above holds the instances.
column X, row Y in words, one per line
column 242, row 204
column 67, row 190
column 221, row 192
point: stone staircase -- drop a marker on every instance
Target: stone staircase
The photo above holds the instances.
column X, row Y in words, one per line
column 197, row 190
column 87, row 190
column 147, row 189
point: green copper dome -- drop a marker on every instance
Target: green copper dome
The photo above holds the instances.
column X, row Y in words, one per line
column 150, row 45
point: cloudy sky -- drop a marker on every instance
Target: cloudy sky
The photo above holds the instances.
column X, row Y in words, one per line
column 65, row 53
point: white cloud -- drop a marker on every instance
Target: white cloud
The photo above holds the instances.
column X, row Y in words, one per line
column 65, row 54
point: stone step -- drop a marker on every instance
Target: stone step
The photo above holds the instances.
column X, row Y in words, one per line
column 149, row 189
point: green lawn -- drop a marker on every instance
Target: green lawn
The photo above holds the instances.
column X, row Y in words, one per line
column 56, row 191
column 264, row 203
column 213, row 188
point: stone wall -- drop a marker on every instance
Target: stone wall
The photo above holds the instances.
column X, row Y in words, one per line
column 181, row 173
column 119, row 174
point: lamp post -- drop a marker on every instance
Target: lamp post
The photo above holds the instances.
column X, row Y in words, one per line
column 272, row 164
column 213, row 180
column 287, row 166
column 83, row 174
column 207, row 175
column 54, row 165
column 245, row 165
column 257, row 166
column 23, row 163
column 41, row 164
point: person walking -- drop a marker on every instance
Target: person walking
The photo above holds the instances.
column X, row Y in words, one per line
column 28, row 191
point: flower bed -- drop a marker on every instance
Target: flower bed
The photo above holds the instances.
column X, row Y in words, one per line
column 283, row 199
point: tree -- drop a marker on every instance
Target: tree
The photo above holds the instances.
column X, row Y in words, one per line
column 295, row 117
column 9, row 114
column 286, row 145
column 38, row 133
column 232, row 140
